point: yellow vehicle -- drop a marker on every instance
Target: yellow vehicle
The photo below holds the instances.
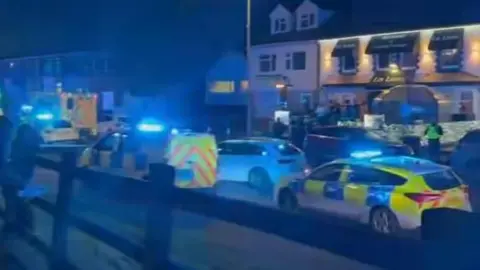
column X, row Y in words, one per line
column 194, row 155
column 388, row 193
column 81, row 110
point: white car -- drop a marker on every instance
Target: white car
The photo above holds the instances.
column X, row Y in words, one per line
column 260, row 162
column 60, row 131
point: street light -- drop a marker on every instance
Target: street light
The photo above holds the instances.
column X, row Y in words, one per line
column 248, row 51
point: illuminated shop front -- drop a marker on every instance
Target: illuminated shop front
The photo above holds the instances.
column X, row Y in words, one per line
column 441, row 65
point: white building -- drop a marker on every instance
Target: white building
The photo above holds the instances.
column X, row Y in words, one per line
column 317, row 50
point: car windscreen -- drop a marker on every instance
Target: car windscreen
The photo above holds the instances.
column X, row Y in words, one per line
column 61, row 124
column 442, row 180
column 288, row 149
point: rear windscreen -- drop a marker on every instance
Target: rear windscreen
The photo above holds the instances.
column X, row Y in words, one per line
column 288, row 150
column 442, row 180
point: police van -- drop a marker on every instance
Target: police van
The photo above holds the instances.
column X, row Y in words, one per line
column 194, row 155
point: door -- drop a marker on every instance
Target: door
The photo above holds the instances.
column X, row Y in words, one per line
column 323, row 189
column 368, row 187
column 226, row 161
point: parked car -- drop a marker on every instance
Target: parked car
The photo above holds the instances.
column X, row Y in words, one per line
column 260, row 162
column 326, row 144
column 388, row 193
column 465, row 157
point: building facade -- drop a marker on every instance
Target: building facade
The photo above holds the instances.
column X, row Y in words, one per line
column 324, row 53
column 443, row 61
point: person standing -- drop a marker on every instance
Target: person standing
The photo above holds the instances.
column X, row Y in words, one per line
column 434, row 133
column 279, row 129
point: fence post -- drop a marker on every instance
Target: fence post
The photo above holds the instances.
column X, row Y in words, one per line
column 58, row 259
column 159, row 217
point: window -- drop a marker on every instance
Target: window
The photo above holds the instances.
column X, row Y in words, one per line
column 362, row 175
column 288, row 150
column 268, row 63
column 280, row 26
column 405, row 61
column 299, row 60
column 389, row 179
column 442, row 180
column 329, row 173
column 449, row 60
column 242, row 149
column 288, row 61
column 70, row 103
column 348, row 64
column 223, row 87
column 61, row 124
column 307, row 20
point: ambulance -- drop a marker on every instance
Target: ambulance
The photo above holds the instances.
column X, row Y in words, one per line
column 194, row 155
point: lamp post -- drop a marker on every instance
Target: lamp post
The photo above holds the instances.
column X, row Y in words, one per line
column 250, row 101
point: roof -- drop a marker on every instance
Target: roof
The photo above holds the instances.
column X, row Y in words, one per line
column 410, row 164
column 369, row 17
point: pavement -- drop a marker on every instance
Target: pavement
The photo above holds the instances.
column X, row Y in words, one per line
column 207, row 244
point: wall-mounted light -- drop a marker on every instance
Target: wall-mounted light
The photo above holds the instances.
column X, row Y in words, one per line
column 393, row 68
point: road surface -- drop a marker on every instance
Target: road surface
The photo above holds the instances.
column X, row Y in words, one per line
column 205, row 244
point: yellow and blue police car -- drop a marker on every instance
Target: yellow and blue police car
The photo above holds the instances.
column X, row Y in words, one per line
column 194, row 155
column 387, row 193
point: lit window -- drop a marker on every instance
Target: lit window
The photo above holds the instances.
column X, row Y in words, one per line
column 223, row 87
column 268, row 63
column 244, row 85
column 406, row 61
column 449, row 60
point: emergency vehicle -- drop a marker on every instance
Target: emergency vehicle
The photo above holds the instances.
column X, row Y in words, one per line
column 62, row 116
column 194, row 155
column 388, row 193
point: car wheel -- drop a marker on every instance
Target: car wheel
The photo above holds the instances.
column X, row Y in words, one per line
column 383, row 221
column 259, row 180
column 287, row 201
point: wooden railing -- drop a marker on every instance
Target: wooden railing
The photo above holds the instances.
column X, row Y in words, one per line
column 385, row 252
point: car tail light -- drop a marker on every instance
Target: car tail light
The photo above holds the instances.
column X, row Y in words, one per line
column 285, row 161
column 422, row 198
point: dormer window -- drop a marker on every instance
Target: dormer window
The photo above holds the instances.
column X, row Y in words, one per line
column 280, row 25
column 307, row 21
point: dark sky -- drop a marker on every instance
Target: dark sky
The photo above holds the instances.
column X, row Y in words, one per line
column 171, row 39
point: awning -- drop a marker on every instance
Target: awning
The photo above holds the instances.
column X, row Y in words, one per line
column 345, row 47
column 392, row 43
column 446, row 39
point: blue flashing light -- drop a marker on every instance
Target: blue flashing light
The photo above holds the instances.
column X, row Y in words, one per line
column 366, row 154
column 175, row 131
column 150, row 126
column 26, row 108
column 44, row 116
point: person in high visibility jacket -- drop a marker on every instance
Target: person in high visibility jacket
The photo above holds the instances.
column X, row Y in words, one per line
column 434, row 133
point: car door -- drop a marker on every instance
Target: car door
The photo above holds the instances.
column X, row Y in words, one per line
column 363, row 184
column 323, row 189
column 101, row 152
column 226, row 162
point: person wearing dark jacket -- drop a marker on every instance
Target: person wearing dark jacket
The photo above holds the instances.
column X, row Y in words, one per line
column 279, row 129
column 18, row 172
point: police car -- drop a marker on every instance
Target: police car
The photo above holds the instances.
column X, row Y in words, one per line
column 194, row 155
column 259, row 161
column 388, row 193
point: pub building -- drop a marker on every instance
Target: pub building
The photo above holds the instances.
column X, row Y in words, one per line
column 431, row 74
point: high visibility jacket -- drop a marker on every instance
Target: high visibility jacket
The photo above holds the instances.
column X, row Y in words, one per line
column 433, row 132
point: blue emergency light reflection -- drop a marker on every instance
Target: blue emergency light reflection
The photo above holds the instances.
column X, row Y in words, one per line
column 174, row 131
column 150, row 127
column 44, row 116
column 366, row 154
column 26, row 108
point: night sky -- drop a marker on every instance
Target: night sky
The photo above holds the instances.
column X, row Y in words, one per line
column 169, row 40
